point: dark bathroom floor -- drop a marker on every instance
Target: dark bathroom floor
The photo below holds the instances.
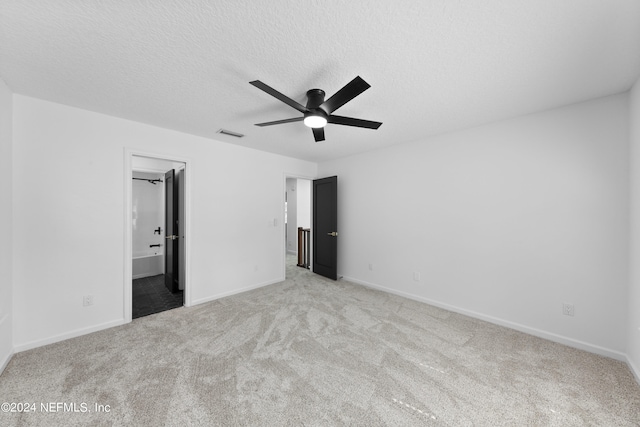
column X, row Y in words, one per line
column 151, row 296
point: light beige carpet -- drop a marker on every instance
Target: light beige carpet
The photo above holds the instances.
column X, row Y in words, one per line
column 310, row 352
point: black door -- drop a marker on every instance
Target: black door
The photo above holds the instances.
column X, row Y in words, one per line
column 171, row 271
column 325, row 227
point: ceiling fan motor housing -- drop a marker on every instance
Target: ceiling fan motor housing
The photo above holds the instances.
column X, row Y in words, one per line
column 315, row 98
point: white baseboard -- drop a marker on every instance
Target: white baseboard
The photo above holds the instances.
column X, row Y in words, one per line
column 57, row 338
column 7, row 345
column 84, row 331
column 592, row 348
column 5, row 362
column 236, row 291
column 634, row 369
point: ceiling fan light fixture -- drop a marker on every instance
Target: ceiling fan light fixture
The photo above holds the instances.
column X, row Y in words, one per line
column 314, row 121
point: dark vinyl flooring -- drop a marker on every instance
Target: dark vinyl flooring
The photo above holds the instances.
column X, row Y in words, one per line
column 151, row 296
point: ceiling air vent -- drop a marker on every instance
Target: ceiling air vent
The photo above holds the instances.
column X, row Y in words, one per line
column 229, row 133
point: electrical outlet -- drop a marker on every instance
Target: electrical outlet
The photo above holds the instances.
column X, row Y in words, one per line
column 370, row 267
column 567, row 309
column 416, row 276
column 87, row 300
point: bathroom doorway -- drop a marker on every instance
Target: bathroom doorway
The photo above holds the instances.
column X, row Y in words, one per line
column 157, row 222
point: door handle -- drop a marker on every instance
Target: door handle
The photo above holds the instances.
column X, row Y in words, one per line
column 172, row 237
column 333, row 234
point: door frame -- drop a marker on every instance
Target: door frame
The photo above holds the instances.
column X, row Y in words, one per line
column 283, row 243
column 129, row 153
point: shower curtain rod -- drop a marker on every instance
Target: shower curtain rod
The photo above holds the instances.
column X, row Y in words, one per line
column 153, row 181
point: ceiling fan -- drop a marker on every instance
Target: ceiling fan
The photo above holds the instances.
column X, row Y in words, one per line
column 317, row 112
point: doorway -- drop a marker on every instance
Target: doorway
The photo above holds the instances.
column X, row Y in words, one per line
column 156, row 203
column 297, row 215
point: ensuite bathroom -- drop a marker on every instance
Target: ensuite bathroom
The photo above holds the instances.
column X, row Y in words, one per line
column 156, row 253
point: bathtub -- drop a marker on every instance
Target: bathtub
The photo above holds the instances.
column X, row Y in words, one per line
column 150, row 263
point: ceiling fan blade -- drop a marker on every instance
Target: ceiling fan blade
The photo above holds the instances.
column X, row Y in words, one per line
column 271, row 91
column 350, row 121
column 352, row 89
column 318, row 134
column 279, row 122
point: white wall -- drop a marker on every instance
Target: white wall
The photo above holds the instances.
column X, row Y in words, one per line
column 147, row 164
column 303, row 188
column 68, row 173
column 6, row 219
column 505, row 222
column 633, row 324
column 292, row 215
column 147, row 215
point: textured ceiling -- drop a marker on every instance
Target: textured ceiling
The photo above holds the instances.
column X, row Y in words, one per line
column 433, row 66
